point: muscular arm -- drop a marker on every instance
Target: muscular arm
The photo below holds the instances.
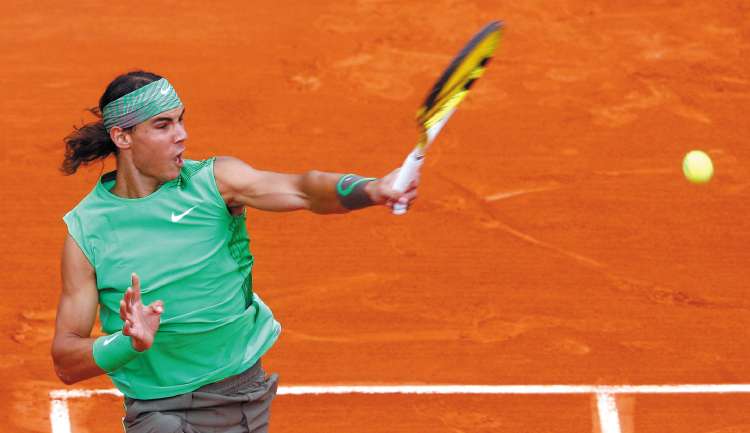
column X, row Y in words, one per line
column 241, row 185
column 72, row 345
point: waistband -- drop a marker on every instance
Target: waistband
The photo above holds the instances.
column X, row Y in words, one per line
column 232, row 383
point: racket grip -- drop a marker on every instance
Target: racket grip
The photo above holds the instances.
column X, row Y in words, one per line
column 407, row 174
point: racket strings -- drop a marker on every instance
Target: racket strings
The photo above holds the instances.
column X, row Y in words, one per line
column 454, row 84
column 452, row 96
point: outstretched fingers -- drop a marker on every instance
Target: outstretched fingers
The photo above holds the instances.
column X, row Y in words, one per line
column 135, row 283
column 140, row 322
column 124, row 307
column 129, row 305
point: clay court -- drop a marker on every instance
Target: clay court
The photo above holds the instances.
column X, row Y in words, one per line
column 555, row 240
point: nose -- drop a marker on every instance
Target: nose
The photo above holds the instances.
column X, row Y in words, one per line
column 180, row 133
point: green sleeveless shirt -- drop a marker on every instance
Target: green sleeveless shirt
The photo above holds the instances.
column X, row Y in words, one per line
column 190, row 252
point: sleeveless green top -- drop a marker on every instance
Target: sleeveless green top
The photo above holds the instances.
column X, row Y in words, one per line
column 190, row 252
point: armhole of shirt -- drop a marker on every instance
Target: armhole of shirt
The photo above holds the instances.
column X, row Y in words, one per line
column 215, row 189
column 76, row 232
column 214, row 185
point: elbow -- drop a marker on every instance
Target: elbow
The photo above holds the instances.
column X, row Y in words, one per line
column 63, row 373
column 309, row 187
column 64, row 377
column 312, row 180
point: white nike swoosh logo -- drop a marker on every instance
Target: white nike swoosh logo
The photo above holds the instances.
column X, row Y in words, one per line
column 110, row 339
column 176, row 218
column 164, row 91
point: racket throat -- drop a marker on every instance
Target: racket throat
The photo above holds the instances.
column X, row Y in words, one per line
column 435, row 128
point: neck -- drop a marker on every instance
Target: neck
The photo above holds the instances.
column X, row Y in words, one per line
column 131, row 182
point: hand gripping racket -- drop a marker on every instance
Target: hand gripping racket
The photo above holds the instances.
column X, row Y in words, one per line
column 444, row 98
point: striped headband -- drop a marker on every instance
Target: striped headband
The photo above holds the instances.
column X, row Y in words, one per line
column 140, row 105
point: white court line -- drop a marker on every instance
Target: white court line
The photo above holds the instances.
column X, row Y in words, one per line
column 59, row 416
column 609, row 419
column 466, row 389
column 60, row 419
column 517, row 389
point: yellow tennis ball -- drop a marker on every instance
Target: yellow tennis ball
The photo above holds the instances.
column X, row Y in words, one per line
column 697, row 167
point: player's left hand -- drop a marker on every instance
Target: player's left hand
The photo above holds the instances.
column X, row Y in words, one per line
column 382, row 193
column 140, row 322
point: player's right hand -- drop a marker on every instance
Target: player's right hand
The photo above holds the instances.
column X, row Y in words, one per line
column 140, row 322
column 382, row 190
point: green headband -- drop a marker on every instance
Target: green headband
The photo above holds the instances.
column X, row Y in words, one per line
column 140, row 105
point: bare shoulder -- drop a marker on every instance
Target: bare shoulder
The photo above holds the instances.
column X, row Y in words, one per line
column 233, row 176
column 225, row 166
column 74, row 263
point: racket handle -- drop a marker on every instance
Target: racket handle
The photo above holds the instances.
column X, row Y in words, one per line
column 407, row 174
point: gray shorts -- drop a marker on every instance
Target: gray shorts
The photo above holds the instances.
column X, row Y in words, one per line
column 237, row 404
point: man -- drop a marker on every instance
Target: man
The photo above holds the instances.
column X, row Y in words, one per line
column 161, row 248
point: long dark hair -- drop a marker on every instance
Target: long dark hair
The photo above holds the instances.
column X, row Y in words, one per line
column 91, row 142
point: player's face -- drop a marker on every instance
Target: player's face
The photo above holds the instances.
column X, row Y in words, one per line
column 158, row 144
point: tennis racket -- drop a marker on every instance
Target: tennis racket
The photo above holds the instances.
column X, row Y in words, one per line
column 447, row 93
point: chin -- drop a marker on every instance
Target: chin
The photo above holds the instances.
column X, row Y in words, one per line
column 170, row 173
column 173, row 175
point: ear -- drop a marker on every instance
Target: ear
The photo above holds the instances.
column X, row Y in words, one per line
column 120, row 137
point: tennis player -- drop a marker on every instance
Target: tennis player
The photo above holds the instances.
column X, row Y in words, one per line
column 161, row 248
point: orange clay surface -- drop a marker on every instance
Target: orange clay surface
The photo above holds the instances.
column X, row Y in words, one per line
column 554, row 241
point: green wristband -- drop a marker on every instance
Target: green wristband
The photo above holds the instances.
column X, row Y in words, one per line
column 350, row 190
column 113, row 351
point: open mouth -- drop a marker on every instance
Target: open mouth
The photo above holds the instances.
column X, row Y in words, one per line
column 179, row 161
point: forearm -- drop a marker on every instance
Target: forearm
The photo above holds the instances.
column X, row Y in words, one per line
column 73, row 359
